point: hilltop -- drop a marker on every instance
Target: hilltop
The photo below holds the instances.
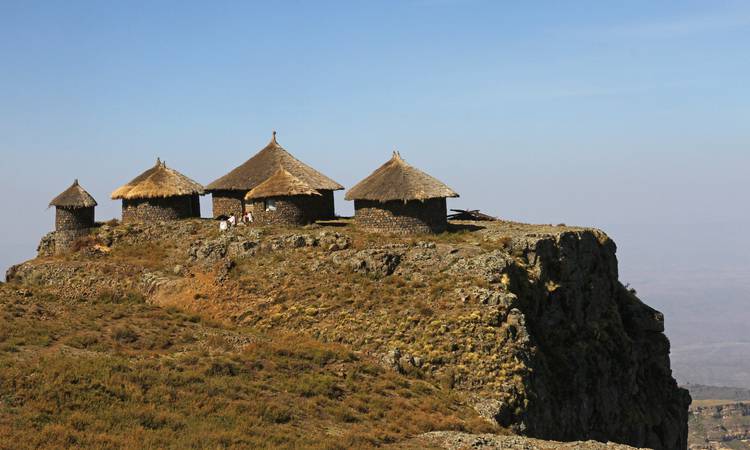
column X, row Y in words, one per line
column 327, row 335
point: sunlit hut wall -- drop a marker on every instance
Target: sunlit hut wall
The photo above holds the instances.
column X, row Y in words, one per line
column 74, row 216
column 158, row 194
column 229, row 191
column 398, row 198
column 284, row 199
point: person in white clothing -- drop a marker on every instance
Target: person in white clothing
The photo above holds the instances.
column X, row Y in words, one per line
column 232, row 220
column 223, row 225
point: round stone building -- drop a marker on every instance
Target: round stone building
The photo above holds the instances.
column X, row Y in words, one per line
column 398, row 198
column 159, row 194
column 229, row 191
column 283, row 199
column 74, row 216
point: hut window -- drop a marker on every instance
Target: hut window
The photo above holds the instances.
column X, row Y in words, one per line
column 270, row 205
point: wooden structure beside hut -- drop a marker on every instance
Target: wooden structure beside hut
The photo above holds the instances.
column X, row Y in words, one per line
column 160, row 193
column 74, row 215
column 229, row 191
column 283, row 199
column 398, row 198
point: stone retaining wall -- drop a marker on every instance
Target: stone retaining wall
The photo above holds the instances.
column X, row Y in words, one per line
column 429, row 216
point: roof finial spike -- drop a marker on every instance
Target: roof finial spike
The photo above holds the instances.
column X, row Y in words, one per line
column 273, row 138
column 75, row 182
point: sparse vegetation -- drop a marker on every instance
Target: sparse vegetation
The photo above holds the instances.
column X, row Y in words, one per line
column 118, row 373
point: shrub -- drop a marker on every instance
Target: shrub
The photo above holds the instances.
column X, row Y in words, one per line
column 124, row 335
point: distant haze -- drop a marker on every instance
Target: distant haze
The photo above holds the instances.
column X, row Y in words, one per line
column 631, row 117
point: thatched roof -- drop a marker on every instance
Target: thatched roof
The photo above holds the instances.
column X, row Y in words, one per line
column 158, row 181
column 281, row 184
column 74, row 197
column 264, row 164
column 397, row 180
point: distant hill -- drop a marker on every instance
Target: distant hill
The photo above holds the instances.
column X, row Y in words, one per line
column 702, row 392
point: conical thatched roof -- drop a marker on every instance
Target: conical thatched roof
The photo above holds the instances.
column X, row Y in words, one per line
column 74, row 197
column 397, row 180
column 261, row 166
column 158, row 181
column 281, row 184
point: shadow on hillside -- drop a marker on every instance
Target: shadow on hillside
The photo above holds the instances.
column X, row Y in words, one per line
column 455, row 227
column 332, row 223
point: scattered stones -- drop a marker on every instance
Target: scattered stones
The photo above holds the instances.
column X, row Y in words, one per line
column 374, row 262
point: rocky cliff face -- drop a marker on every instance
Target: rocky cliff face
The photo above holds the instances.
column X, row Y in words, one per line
column 599, row 365
column 527, row 323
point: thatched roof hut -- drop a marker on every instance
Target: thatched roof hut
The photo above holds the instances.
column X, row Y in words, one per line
column 229, row 191
column 158, row 182
column 74, row 215
column 283, row 199
column 399, row 198
column 159, row 193
column 74, row 197
column 397, row 180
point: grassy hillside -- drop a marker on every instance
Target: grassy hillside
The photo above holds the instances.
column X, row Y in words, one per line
column 115, row 372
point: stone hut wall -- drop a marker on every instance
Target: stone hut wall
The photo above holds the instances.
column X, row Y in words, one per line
column 293, row 210
column 71, row 224
column 414, row 216
column 65, row 239
column 225, row 203
column 74, row 218
column 159, row 209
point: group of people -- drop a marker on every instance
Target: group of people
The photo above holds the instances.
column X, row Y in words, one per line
column 231, row 221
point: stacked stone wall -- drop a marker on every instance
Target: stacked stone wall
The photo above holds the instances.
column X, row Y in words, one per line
column 65, row 240
column 159, row 209
column 226, row 203
column 74, row 218
column 294, row 210
column 429, row 216
column 71, row 224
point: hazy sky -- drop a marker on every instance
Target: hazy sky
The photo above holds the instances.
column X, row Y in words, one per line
column 631, row 117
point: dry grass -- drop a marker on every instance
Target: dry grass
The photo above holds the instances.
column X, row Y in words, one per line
column 117, row 373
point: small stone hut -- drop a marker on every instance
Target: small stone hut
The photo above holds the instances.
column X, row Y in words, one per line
column 229, row 191
column 398, row 198
column 160, row 193
column 74, row 215
column 283, row 199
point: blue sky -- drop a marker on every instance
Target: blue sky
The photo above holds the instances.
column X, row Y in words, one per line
column 629, row 116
